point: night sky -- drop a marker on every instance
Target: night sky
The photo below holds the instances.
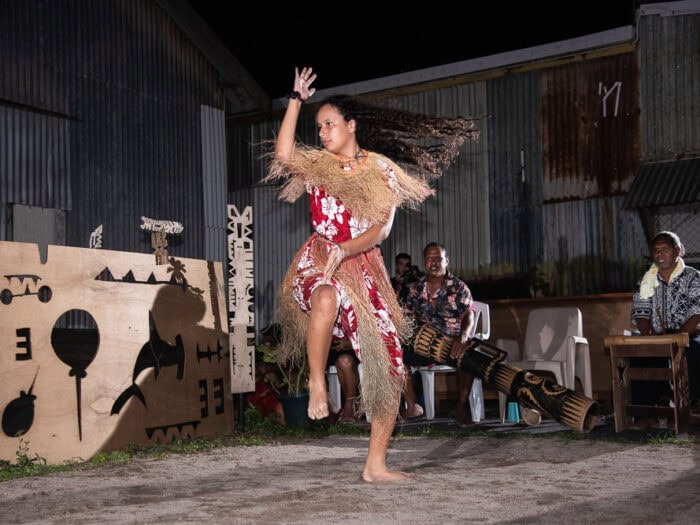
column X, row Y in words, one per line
column 352, row 41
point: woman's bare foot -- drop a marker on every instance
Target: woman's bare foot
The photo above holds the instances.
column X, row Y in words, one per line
column 318, row 400
column 383, row 475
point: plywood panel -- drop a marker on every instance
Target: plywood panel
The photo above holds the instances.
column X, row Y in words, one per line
column 99, row 349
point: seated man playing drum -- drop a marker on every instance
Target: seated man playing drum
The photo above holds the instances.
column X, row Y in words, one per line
column 444, row 301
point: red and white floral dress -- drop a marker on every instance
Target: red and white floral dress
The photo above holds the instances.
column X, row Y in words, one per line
column 343, row 205
column 333, row 221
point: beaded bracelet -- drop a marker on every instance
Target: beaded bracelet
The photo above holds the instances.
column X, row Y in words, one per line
column 296, row 95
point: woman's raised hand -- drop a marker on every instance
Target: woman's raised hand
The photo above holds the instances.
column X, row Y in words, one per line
column 303, row 81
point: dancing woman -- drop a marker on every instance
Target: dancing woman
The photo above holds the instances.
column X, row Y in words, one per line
column 337, row 285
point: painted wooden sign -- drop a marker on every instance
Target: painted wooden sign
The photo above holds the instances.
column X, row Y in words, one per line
column 100, row 349
column 241, row 291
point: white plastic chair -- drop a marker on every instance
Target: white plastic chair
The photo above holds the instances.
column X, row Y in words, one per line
column 554, row 342
column 334, row 386
column 427, row 373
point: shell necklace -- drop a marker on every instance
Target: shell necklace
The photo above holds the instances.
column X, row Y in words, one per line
column 351, row 163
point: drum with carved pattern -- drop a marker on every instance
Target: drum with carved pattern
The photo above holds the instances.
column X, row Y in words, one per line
column 433, row 344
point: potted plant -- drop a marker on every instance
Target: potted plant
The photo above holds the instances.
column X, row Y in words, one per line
column 294, row 389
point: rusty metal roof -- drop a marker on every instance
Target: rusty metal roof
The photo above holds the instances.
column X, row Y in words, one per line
column 665, row 183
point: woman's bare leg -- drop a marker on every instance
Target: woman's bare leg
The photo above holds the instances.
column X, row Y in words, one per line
column 382, row 427
column 324, row 310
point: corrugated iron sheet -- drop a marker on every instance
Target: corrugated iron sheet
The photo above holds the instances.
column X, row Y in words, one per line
column 214, row 184
column 120, row 86
column 670, row 86
column 591, row 246
column 458, row 216
column 590, row 128
column 107, row 110
column 665, row 183
column 562, row 146
column 35, row 159
column 515, row 166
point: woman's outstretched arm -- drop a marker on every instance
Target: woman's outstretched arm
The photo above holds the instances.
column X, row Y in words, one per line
column 284, row 146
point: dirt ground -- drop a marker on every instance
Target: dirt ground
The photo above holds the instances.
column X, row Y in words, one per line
column 491, row 474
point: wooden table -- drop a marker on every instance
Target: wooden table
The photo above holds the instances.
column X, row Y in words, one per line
column 671, row 346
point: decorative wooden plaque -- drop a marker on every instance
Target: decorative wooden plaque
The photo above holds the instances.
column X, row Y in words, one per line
column 241, row 307
column 100, row 349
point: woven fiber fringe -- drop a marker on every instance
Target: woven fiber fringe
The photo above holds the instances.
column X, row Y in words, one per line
column 363, row 190
column 382, row 383
column 371, row 196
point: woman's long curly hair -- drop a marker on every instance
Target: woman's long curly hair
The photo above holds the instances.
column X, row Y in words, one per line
column 423, row 142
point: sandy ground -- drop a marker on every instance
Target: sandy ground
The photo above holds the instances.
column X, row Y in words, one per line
column 511, row 475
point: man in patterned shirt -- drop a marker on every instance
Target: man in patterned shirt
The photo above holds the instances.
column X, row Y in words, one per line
column 668, row 301
column 444, row 301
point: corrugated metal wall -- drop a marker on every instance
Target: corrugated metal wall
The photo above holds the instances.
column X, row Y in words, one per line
column 670, row 86
column 537, row 201
column 515, row 173
column 106, row 111
column 279, row 228
column 35, row 159
column 214, row 187
column 590, row 246
column 669, row 56
column 124, row 86
column 590, row 128
column 458, row 216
